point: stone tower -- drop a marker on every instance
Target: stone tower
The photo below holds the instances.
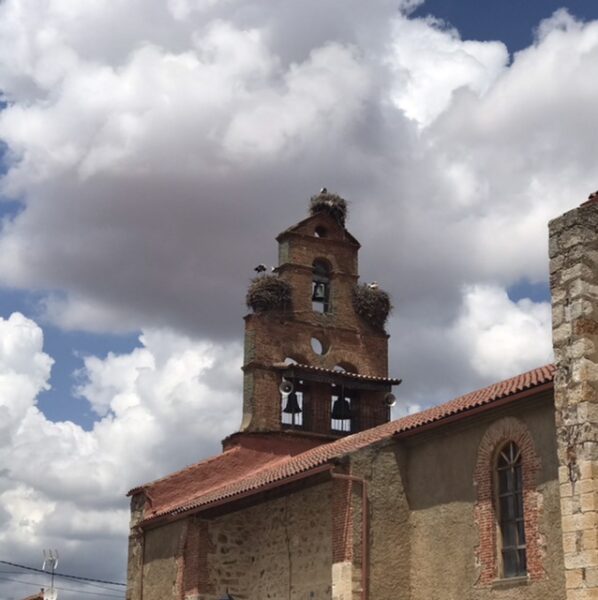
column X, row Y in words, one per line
column 314, row 328
column 574, row 286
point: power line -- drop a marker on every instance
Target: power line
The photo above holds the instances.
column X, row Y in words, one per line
column 76, row 577
column 100, row 586
column 62, row 589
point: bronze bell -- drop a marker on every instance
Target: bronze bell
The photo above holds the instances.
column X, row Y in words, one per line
column 292, row 407
column 341, row 409
column 319, row 293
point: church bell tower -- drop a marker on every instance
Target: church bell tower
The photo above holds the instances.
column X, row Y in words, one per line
column 316, row 352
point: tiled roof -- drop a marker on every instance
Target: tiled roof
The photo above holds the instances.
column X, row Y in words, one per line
column 334, row 372
column 239, row 471
column 254, row 453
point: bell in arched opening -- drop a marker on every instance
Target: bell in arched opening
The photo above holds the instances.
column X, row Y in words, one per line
column 320, row 295
column 292, row 406
column 341, row 409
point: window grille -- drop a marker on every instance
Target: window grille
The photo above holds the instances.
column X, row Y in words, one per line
column 510, row 511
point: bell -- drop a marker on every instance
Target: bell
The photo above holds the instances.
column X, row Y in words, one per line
column 341, row 409
column 319, row 293
column 292, row 407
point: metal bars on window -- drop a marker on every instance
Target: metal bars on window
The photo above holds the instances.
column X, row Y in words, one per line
column 510, row 511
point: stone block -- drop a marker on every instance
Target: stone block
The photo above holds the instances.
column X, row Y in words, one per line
column 574, row 578
column 591, row 577
column 570, row 542
column 562, row 334
column 342, row 581
column 582, row 594
column 581, row 559
column 589, row 539
column 588, row 469
column 584, row 486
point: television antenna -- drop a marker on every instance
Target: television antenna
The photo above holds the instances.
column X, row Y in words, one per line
column 50, row 563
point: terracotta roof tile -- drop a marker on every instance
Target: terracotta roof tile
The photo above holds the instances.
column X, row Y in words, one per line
column 253, row 453
column 341, row 374
column 241, row 470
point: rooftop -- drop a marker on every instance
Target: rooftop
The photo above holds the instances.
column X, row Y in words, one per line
column 260, row 460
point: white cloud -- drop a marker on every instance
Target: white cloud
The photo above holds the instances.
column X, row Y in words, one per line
column 432, row 62
column 158, row 148
column 63, row 486
column 500, row 337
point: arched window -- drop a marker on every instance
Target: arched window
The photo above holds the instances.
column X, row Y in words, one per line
column 320, row 289
column 510, row 512
column 507, row 506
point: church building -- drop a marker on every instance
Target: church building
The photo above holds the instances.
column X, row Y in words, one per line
column 320, row 495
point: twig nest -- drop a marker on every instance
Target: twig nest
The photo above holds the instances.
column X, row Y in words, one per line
column 268, row 292
column 372, row 304
column 332, row 204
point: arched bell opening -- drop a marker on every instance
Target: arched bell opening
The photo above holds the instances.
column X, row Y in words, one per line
column 320, row 288
column 342, row 409
column 291, row 402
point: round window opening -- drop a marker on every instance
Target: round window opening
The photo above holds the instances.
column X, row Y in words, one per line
column 318, row 346
column 321, row 232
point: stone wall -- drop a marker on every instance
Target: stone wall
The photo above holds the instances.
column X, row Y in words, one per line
column 423, row 535
column 442, row 494
column 279, row 549
column 574, row 284
column 388, row 514
column 162, row 555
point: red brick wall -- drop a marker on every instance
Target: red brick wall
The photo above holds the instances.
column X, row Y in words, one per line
column 501, row 432
column 342, row 520
column 193, row 574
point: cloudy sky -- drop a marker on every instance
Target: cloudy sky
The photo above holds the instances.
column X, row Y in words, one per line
column 151, row 150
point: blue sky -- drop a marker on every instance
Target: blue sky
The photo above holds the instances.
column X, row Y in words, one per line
column 157, row 157
column 510, row 21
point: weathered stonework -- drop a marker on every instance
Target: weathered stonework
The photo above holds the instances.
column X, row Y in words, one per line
column 277, row 549
column 574, row 284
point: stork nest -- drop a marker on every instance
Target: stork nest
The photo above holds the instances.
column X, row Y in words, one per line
column 268, row 292
column 372, row 304
column 329, row 203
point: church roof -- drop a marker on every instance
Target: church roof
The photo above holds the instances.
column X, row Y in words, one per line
column 334, row 373
column 243, row 470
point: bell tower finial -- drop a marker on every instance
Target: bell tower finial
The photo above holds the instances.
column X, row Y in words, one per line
column 316, row 351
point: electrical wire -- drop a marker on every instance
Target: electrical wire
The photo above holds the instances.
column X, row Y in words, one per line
column 100, row 586
column 76, row 577
column 62, row 589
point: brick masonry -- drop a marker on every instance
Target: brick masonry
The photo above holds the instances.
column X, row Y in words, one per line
column 485, row 510
column 349, row 341
column 574, row 285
